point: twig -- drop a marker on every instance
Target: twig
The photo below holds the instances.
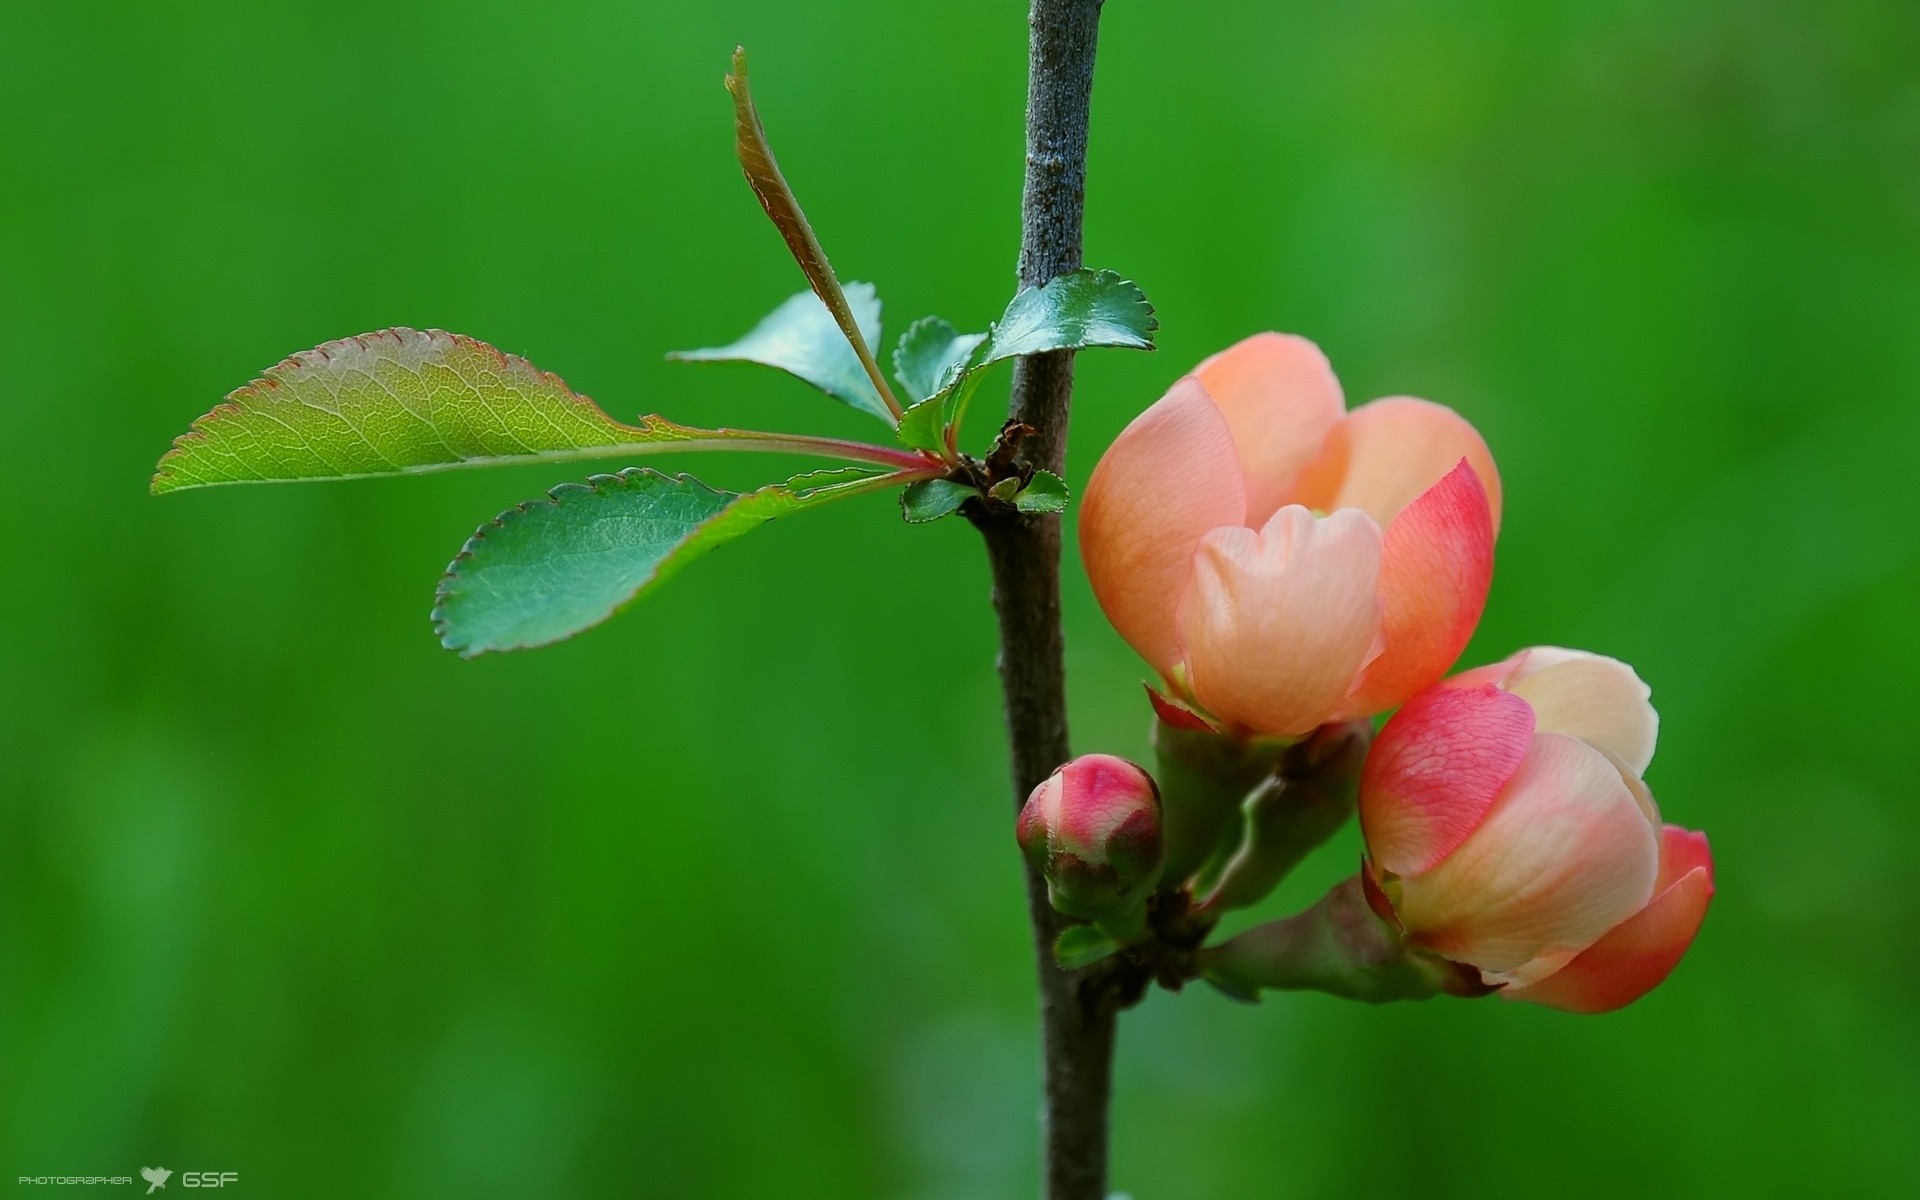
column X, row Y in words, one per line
column 1077, row 1014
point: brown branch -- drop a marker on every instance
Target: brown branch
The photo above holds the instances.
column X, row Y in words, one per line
column 1077, row 1011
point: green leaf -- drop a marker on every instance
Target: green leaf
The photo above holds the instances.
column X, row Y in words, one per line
column 403, row 401
column 1044, row 493
column 931, row 499
column 549, row 568
column 802, row 339
column 924, row 426
column 931, row 355
column 1082, row 946
column 1086, row 308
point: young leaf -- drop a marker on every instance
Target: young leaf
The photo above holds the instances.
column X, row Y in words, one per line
column 931, row 499
column 402, row 401
column 1086, row 308
column 931, row 355
column 1082, row 946
column 547, row 569
column 801, row 338
column 770, row 188
column 924, row 426
column 1044, row 493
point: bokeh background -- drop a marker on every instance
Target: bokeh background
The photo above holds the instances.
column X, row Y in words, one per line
column 721, row 899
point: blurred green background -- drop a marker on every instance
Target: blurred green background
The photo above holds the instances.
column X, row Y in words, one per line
column 721, row 899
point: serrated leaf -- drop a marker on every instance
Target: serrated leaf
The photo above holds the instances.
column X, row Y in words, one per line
column 801, row 338
column 1085, row 308
column 1082, row 946
column 769, row 186
column 1044, row 493
column 931, row 499
column 924, row 426
column 404, row 401
column 931, row 355
column 547, row 569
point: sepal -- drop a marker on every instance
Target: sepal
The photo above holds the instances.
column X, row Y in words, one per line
column 1339, row 946
column 1294, row 810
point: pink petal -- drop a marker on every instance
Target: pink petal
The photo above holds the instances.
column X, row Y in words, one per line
column 1280, row 398
column 1436, row 769
column 1435, row 570
column 1640, row 952
column 1386, row 453
column 1169, row 477
column 1563, row 856
column 1279, row 624
column 1589, row 696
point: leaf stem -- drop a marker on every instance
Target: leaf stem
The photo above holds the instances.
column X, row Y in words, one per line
column 819, row 447
column 783, row 208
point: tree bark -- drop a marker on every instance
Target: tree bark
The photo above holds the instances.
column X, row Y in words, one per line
column 1077, row 1018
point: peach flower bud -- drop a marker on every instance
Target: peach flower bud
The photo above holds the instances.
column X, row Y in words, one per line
column 1280, row 561
column 1093, row 828
column 1507, row 828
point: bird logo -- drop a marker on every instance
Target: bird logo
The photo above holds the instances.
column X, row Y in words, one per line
column 156, row 1178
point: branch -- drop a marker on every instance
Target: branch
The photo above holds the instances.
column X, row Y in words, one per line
column 1077, row 1012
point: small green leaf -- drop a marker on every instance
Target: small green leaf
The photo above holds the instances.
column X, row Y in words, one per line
column 1044, row 493
column 932, row 499
column 924, row 426
column 1086, row 308
column 401, row 402
column 1082, row 946
column 802, row 338
column 549, row 568
column 931, row 355
column 1004, row 490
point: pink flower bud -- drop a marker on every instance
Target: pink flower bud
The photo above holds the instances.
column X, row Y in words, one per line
column 1094, row 829
column 1281, row 562
column 1507, row 828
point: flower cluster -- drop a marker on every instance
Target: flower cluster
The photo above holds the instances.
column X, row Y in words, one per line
column 1290, row 568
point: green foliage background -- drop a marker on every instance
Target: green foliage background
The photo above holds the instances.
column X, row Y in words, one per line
column 721, row 899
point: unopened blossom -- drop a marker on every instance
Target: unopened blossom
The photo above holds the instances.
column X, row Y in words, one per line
column 1508, row 829
column 1282, row 562
column 1094, row 830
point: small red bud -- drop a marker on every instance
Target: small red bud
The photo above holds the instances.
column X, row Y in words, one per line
column 1093, row 828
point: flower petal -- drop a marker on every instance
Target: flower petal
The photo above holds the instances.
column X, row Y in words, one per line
column 1280, row 398
column 1640, row 952
column 1169, row 477
column 1280, row 623
column 1386, row 453
column 1589, row 696
column 1563, row 856
column 1435, row 569
column 1436, row 769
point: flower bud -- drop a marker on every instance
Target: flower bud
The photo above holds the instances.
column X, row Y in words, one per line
column 1093, row 829
column 1284, row 563
column 1508, row 829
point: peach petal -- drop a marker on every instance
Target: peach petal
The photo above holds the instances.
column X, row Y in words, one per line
column 1563, row 856
column 1280, row 398
column 1436, row 769
column 1169, row 477
column 1386, row 453
column 1280, row 623
column 1435, row 569
column 1597, row 699
column 1639, row 953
